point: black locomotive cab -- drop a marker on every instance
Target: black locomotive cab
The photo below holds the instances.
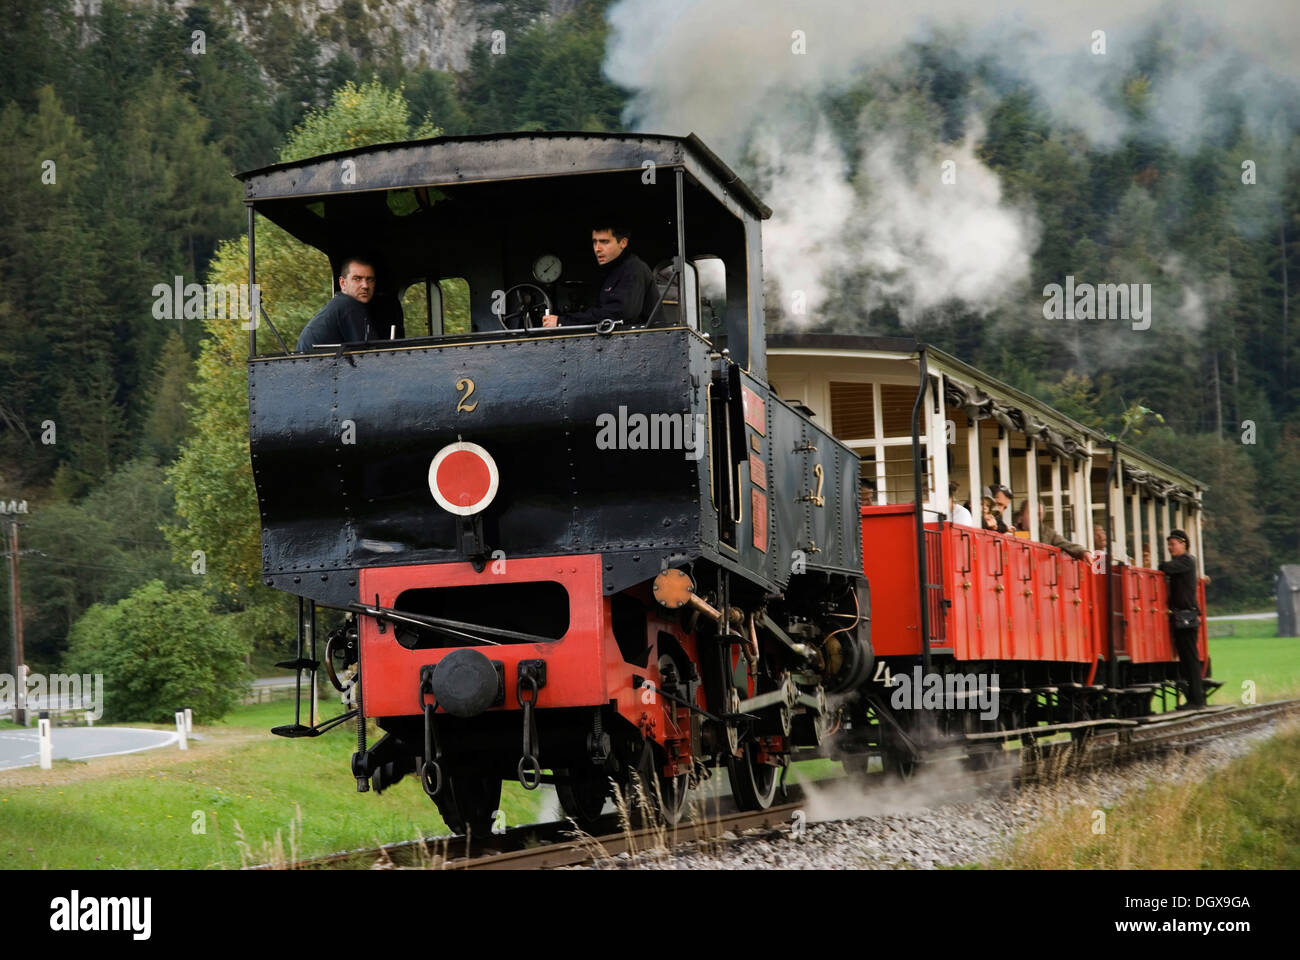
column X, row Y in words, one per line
column 474, row 240
column 546, row 524
column 482, row 236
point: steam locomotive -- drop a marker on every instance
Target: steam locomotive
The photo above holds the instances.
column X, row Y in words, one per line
column 615, row 556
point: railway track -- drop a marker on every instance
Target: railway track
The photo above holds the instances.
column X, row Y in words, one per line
column 557, row 844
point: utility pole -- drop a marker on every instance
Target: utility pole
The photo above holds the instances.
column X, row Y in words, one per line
column 16, row 627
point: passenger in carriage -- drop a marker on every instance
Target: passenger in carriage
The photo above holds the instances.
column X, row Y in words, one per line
column 991, row 519
column 1002, row 497
column 1184, row 613
column 868, row 493
column 956, row 511
column 1102, row 544
column 1048, row 535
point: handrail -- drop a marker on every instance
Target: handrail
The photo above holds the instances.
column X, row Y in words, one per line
column 1112, row 665
column 922, row 578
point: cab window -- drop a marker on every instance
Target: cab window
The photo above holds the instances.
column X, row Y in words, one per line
column 437, row 308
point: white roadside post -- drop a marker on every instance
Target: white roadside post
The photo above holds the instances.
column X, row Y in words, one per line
column 189, row 720
column 21, row 713
column 43, row 725
column 180, row 730
column 90, row 718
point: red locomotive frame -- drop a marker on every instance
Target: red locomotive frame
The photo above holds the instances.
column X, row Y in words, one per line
column 584, row 665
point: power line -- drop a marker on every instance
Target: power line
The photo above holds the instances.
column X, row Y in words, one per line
column 70, row 563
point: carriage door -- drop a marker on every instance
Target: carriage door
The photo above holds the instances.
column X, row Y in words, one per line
column 1022, row 613
column 994, row 576
column 962, row 553
column 1119, row 599
column 1074, row 609
column 1049, row 592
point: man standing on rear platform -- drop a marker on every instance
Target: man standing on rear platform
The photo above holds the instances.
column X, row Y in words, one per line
column 1184, row 614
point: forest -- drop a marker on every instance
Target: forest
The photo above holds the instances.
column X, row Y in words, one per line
column 126, row 433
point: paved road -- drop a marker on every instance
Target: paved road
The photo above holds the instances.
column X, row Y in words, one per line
column 20, row 748
column 1246, row 616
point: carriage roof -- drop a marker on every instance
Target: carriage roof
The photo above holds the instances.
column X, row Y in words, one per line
column 904, row 350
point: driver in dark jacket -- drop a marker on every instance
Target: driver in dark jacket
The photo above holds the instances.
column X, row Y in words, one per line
column 627, row 287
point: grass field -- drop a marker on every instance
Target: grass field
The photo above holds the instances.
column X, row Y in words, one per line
column 1245, row 816
column 142, row 810
column 1253, row 653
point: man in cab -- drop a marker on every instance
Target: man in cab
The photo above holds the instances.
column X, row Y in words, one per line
column 627, row 287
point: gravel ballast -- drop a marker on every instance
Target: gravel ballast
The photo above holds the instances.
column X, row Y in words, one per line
column 933, row 820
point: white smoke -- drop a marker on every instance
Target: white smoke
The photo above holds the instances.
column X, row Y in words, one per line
column 813, row 203
column 933, row 241
column 749, row 76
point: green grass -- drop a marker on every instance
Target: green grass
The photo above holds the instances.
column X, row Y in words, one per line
column 1245, row 816
column 142, row 817
column 1271, row 663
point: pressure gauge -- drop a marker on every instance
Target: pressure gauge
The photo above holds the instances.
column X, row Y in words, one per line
column 547, row 268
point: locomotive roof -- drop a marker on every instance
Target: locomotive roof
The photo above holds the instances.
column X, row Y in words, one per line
column 850, row 344
column 442, row 161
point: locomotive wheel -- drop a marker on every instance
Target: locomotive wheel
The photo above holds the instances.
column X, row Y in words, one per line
column 584, row 798
column 672, row 790
column 644, row 786
column 468, row 802
column 982, row 758
column 900, row 763
column 896, row 758
column 753, row 784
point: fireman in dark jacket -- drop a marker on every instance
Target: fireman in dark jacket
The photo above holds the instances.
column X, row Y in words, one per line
column 627, row 287
column 1181, row 571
